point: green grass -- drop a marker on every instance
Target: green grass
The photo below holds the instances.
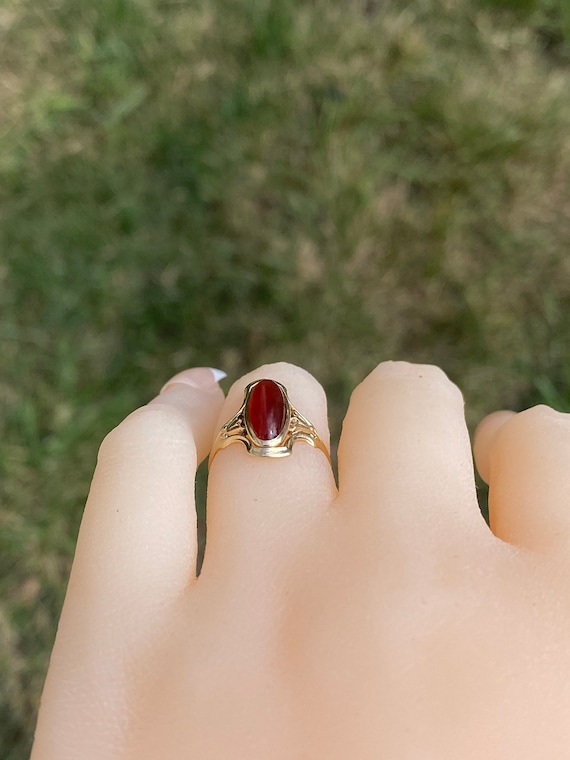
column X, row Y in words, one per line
column 239, row 181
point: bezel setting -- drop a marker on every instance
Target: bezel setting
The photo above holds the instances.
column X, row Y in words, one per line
column 295, row 428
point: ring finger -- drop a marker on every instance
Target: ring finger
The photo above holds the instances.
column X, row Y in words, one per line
column 260, row 508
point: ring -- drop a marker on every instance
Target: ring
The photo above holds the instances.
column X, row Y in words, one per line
column 267, row 423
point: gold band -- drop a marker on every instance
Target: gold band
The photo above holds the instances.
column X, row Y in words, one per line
column 292, row 426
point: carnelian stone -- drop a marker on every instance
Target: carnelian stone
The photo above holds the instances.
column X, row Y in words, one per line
column 266, row 410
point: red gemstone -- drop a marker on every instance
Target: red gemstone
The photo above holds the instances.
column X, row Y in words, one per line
column 266, row 410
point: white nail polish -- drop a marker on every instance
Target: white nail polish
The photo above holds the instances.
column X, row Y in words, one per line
column 206, row 378
column 218, row 373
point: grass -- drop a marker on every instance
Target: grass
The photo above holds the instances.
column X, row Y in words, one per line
column 228, row 183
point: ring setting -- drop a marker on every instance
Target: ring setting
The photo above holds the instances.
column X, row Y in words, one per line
column 267, row 424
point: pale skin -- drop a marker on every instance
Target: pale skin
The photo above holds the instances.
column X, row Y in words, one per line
column 382, row 619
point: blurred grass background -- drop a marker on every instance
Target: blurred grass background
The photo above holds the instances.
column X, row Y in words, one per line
column 226, row 183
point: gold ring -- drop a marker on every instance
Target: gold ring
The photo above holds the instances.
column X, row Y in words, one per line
column 267, row 423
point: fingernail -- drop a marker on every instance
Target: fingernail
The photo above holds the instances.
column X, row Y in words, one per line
column 219, row 374
column 197, row 377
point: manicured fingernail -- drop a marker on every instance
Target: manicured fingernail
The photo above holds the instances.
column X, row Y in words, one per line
column 219, row 374
column 197, row 377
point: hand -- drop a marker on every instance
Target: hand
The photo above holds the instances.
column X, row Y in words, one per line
column 383, row 620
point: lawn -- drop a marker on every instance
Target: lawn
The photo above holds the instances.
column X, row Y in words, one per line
column 226, row 183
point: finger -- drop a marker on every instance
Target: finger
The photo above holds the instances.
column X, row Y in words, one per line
column 260, row 508
column 529, row 480
column 135, row 555
column 485, row 436
column 405, row 464
column 138, row 533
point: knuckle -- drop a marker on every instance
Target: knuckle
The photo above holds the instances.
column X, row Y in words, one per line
column 533, row 423
column 540, row 417
column 149, row 428
column 425, row 377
